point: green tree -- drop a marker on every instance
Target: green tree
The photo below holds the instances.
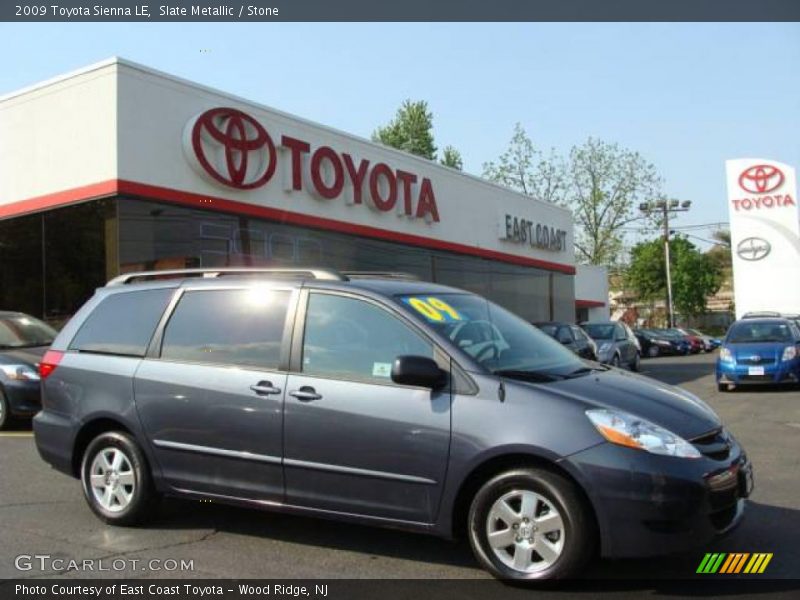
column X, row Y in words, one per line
column 720, row 253
column 606, row 183
column 695, row 275
column 452, row 158
column 410, row 130
column 524, row 168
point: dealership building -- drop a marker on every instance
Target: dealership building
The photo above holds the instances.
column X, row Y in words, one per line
column 118, row 168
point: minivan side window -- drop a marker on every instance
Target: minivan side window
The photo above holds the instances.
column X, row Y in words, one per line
column 228, row 327
column 122, row 324
column 348, row 338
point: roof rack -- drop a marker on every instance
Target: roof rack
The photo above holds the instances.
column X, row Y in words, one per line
column 210, row 273
column 379, row 274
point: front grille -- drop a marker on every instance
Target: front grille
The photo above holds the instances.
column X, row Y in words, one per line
column 715, row 445
column 759, row 362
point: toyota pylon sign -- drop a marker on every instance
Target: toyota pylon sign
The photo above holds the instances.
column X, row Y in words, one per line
column 765, row 235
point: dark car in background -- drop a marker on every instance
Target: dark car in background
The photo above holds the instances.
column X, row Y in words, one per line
column 23, row 341
column 399, row 403
column 572, row 337
column 656, row 343
column 616, row 344
column 759, row 350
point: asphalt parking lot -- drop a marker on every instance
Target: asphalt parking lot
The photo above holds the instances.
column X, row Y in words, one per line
column 43, row 512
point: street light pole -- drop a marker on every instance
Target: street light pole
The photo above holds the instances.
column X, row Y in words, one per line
column 665, row 207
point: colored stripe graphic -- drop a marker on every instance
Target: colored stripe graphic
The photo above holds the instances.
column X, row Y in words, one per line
column 741, row 562
column 758, row 563
column 701, row 568
column 724, row 563
column 711, row 562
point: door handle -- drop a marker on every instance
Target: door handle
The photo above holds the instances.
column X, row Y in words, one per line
column 305, row 393
column 265, row 388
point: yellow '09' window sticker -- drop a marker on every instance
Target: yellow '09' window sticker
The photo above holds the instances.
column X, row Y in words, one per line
column 435, row 310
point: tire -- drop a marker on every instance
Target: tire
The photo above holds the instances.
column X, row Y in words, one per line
column 565, row 548
column 131, row 498
column 637, row 363
column 615, row 360
column 5, row 414
column 722, row 387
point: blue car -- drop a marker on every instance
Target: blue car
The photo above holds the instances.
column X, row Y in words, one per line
column 759, row 350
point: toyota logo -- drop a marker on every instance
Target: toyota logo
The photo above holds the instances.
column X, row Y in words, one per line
column 753, row 248
column 233, row 148
column 755, row 358
column 761, row 179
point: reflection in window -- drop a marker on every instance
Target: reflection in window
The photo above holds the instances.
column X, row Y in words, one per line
column 352, row 339
column 246, row 328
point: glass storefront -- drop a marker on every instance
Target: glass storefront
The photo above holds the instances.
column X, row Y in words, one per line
column 52, row 262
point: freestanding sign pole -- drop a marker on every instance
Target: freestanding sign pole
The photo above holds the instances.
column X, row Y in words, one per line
column 765, row 235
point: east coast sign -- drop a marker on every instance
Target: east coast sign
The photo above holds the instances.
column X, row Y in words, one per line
column 233, row 149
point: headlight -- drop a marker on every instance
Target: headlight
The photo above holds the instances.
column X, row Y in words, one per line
column 725, row 355
column 605, row 347
column 789, row 353
column 629, row 430
column 20, row 372
column 661, row 342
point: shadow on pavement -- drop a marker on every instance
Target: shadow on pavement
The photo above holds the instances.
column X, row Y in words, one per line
column 764, row 529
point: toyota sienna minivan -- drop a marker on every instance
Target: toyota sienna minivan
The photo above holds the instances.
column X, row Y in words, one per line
column 379, row 399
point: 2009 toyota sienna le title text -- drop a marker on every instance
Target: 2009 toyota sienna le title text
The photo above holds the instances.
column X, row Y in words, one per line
column 379, row 399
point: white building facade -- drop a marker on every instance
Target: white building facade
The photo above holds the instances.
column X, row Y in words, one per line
column 118, row 167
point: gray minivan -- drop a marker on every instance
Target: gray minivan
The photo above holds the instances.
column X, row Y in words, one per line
column 382, row 400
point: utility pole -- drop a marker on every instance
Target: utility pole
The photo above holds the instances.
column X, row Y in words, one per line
column 665, row 207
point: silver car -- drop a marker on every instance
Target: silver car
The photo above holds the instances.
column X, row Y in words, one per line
column 616, row 344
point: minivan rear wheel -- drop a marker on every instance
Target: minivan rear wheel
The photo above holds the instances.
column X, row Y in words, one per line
column 530, row 525
column 116, row 480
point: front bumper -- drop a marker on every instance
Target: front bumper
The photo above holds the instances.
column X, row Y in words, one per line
column 782, row 372
column 24, row 397
column 649, row 505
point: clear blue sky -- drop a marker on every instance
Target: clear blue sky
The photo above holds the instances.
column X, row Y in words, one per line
column 687, row 96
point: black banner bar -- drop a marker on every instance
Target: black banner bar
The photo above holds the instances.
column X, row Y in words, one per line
column 399, row 10
column 376, row 589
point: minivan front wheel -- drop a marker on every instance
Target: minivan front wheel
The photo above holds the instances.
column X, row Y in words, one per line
column 530, row 525
column 116, row 480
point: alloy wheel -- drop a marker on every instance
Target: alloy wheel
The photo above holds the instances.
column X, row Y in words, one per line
column 112, row 480
column 525, row 531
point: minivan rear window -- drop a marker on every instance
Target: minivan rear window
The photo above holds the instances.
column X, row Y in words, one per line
column 237, row 327
column 122, row 323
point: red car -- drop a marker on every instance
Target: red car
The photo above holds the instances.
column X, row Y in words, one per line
column 696, row 344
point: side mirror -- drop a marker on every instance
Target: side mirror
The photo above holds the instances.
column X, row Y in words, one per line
column 419, row 371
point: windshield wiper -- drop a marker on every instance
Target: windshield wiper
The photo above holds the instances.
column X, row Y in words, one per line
column 537, row 376
column 585, row 371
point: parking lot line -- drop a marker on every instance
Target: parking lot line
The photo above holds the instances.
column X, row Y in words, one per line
column 16, row 434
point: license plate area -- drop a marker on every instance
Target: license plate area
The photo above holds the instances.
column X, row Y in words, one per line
column 755, row 370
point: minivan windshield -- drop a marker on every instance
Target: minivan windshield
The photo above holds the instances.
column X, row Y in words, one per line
column 759, row 331
column 494, row 337
column 23, row 331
